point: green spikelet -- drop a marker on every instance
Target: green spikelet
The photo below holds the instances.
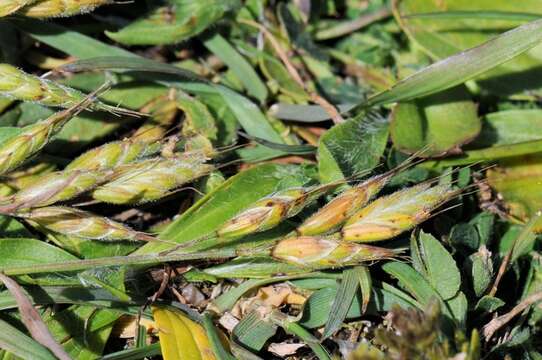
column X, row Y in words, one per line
column 18, row 85
column 319, row 252
column 19, row 148
column 271, row 210
column 113, row 154
column 337, row 211
column 60, row 8
column 389, row 216
column 52, row 188
column 26, row 176
column 83, row 224
column 151, row 179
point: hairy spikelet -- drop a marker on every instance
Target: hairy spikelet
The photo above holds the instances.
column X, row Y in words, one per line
column 52, row 188
column 83, row 224
column 335, row 213
column 338, row 210
column 271, row 210
column 17, row 84
column 314, row 252
column 151, row 179
column 114, row 154
column 389, row 216
column 19, row 148
column 10, row 6
column 22, row 178
column 60, row 8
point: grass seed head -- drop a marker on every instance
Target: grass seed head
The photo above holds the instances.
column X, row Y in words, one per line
column 52, row 188
column 18, row 85
column 60, row 8
column 83, row 224
column 10, row 6
column 150, row 179
column 315, row 252
column 27, row 176
column 114, row 154
column 338, row 210
column 17, row 149
column 271, row 210
column 391, row 215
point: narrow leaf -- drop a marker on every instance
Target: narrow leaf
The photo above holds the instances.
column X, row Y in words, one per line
column 238, row 64
column 216, row 344
column 17, row 343
column 345, row 295
column 366, row 286
column 253, row 331
column 463, row 66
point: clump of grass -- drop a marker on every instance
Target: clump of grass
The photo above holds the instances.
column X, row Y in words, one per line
column 296, row 211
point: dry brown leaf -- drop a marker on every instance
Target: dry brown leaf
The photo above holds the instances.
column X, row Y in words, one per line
column 32, row 319
column 284, row 349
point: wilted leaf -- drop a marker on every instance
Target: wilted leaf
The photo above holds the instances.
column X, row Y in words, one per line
column 32, row 319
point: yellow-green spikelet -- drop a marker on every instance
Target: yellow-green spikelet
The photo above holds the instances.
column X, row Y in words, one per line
column 391, row 215
column 83, row 224
column 32, row 138
column 322, row 252
column 54, row 187
column 150, row 179
column 114, row 154
column 60, row 8
column 271, row 210
column 10, row 6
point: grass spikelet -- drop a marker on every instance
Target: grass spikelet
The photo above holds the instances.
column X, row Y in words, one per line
column 60, row 8
column 271, row 210
column 10, row 6
column 113, row 154
column 19, row 148
column 82, row 224
column 18, row 85
column 24, row 177
column 314, row 252
column 151, row 179
column 391, row 215
column 52, row 188
column 336, row 212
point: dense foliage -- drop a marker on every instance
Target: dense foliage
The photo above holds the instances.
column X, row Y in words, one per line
column 257, row 179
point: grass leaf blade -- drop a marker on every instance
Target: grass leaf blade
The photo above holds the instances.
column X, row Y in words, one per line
column 345, row 295
column 463, row 66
